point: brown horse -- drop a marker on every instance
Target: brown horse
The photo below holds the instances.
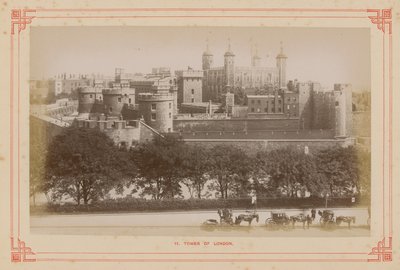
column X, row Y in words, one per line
column 346, row 219
column 246, row 217
column 301, row 218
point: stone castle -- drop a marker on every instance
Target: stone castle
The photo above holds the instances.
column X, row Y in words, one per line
column 131, row 109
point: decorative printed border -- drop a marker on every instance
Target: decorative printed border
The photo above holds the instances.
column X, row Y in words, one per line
column 23, row 17
column 21, row 253
column 383, row 253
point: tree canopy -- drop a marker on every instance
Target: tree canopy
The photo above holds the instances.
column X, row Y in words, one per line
column 84, row 164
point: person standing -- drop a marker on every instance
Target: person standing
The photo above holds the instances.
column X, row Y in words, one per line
column 309, row 221
column 313, row 211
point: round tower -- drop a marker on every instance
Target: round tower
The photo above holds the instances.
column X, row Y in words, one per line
column 157, row 110
column 343, row 110
column 115, row 99
column 229, row 66
column 281, row 65
column 88, row 97
column 207, row 59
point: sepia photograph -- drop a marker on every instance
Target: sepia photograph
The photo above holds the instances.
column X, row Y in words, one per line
column 200, row 130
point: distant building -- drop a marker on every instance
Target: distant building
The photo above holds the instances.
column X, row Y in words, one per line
column 220, row 80
column 315, row 109
column 189, row 83
column 66, row 84
column 161, row 71
column 265, row 105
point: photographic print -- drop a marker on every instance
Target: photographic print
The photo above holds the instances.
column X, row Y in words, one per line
column 186, row 135
column 221, row 130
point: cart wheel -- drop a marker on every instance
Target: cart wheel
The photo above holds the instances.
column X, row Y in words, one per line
column 268, row 221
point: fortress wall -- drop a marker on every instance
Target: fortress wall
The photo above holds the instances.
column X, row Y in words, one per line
column 253, row 146
column 236, row 124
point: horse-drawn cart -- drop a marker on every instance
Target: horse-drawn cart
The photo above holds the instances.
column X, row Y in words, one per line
column 278, row 220
column 226, row 219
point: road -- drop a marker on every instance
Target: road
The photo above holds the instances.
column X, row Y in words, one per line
column 188, row 223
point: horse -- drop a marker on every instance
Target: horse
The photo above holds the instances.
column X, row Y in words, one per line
column 301, row 218
column 246, row 217
column 346, row 219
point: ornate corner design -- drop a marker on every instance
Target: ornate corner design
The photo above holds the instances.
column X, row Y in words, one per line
column 21, row 253
column 19, row 17
column 383, row 253
column 381, row 19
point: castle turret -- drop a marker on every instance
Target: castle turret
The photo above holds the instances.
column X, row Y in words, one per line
column 157, row 110
column 281, row 65
column 116, row 99
column 89, row 97
column 343, row 110
column 229, row 67
column 255, row 59
column 207, row 59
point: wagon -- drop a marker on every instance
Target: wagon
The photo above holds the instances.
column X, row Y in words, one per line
column 278, row 220
column 327, row 219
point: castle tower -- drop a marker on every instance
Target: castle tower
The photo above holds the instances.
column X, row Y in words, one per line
column 157, row 110
column 229, row 67
column 88, row 98
column 118, row 74
column 117, row 99
column 343, row 110
column 255, row 59
column 207, row 59
column 281, row 65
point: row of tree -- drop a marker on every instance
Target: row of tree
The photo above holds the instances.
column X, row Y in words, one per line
column 84, row 164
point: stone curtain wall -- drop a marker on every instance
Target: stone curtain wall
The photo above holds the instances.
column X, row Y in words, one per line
column 236, row 124
column 253, row 146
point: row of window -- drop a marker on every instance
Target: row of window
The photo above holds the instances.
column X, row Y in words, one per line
column 265, row 110
column 91, row 96
column 120, row 100
column 258, row 110
column 259, row 101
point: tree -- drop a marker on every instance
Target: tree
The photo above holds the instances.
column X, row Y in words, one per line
column 160, row 165
column 364, row 172
column 225, row 165
column 289, row 170
column 195, row 169
column 83, row 164
column 341, row 169
column 37, row 158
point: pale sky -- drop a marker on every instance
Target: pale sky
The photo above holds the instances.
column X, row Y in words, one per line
column 326, row 55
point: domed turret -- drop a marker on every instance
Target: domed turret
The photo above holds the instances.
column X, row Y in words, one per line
column 207, row 52
column 229, row 51
column 281, row 65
